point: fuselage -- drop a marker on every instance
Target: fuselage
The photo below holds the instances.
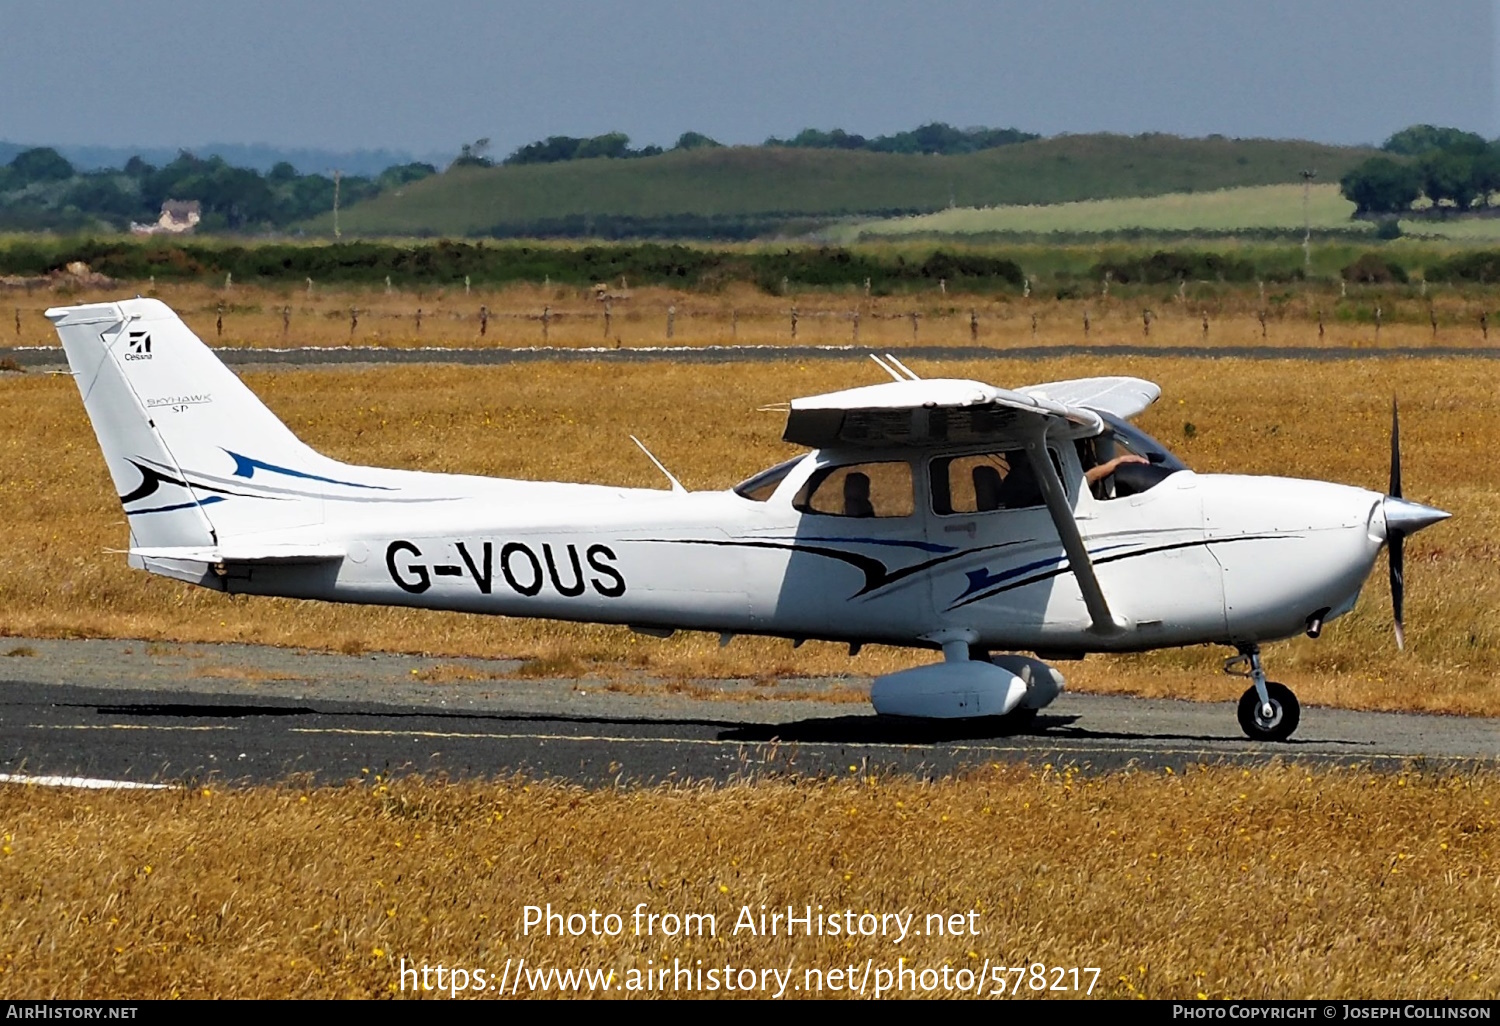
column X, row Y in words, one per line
column 1192, row 559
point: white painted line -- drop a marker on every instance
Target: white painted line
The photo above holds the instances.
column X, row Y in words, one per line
column 122, row 726
column 91, row 783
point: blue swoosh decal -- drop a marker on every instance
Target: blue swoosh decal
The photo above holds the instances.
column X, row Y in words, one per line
column 246, row 466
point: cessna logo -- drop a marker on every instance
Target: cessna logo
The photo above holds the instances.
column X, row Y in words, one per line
column 139, row 343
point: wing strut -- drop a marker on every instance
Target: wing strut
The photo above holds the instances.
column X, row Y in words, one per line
column 1067, row 530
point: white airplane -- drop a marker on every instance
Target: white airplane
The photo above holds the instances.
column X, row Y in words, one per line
column 941, row 514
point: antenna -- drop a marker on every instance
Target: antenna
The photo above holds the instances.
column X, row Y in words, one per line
column 885, row 367
column 676, row 484
column 903, row 368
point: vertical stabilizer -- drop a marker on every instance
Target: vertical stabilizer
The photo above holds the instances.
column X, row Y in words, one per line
column 196, row 457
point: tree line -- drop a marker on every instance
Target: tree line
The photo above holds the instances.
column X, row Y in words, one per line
column 1454, row 170
column 934, row 138
column 40, row 190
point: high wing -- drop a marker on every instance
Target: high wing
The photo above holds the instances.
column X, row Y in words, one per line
column 948, row 411
column 1121, row 397
column 928, row 413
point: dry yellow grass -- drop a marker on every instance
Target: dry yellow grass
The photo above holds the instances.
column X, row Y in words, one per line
column 1217, row 883
column 739, row 314
column 1318, row 420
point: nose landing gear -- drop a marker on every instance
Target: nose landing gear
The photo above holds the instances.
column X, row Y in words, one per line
column 1268, row 711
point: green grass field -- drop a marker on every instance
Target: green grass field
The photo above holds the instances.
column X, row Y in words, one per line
column 745, row 182
column 1256, row 208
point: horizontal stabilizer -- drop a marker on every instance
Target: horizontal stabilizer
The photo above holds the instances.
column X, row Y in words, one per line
column 281, row 553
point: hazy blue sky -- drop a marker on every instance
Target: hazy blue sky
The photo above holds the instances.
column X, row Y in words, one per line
column 427, row 76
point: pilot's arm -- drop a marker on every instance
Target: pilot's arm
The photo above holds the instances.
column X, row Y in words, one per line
column 1103, row 470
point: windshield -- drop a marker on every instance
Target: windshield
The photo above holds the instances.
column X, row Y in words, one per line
column 763, row 485
column 1142, row 444
column 1124, row 460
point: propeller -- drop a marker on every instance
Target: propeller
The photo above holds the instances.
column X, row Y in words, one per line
column 1401, row 519
column 1396, row 538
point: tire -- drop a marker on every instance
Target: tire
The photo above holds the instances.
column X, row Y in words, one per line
column 1285, row 714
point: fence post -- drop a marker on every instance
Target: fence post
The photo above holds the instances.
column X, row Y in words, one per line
column 18, row 322
column 286, row 321
column 973, row 326
column 1320, row 324
column 1484, row 325
column 219, row 323
column 309, row 288
column 388, row 284
column 1205, row 325
column 1432, row 317
column 856, row 327
column 353, row 320
column 1146, row 323
column 546, row 323
column 734, row 323
column 794, row 324
column 1377, row 324
column 1085, row 324
column 671, row 318
column 914, row 326
column 1033, row 325
column 484, row 316
column 466, row 284
column 419, row 320
column 1261, row 316
column 608, row 309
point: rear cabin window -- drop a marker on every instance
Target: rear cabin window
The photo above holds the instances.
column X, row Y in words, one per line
column 860, row 490
column 763, row 485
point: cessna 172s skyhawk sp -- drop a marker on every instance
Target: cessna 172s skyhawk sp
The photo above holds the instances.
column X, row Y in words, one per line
column 933, row 513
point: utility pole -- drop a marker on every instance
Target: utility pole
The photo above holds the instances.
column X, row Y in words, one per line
column 337, row 174
column 1307, row 176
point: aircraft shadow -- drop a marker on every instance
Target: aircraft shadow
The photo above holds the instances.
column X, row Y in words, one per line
column 855, row 729
column 210, row 710
column 890, row 730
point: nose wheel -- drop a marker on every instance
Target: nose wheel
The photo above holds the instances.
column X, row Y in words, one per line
column 1268, row 711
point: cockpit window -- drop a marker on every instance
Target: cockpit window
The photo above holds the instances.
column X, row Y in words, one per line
column 859, row 490
column 763, row 485
column 985, row 482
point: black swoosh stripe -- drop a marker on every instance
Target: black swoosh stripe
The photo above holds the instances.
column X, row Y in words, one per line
column 877, row 575
column 1066, row 568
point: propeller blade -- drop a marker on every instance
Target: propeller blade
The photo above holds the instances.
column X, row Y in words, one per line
column 1395, row 450
column 1396, row 545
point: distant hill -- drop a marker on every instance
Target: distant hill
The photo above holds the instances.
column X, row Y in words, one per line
column 737, row 192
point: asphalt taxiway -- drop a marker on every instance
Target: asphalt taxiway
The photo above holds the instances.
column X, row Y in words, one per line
column 239, row 714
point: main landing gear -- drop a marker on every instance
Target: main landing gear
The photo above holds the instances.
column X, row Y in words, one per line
column 1268, row 711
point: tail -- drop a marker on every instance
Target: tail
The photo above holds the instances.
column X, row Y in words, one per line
column 197, row 459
